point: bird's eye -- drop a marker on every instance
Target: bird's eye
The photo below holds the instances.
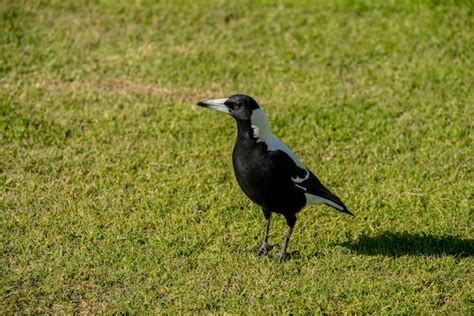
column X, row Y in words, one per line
column 234, row 105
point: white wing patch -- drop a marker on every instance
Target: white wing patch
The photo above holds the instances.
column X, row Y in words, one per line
column 299, row 180
column 301, row 187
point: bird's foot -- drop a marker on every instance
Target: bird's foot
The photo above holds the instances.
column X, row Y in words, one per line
column 280, row 256
column 263, row 250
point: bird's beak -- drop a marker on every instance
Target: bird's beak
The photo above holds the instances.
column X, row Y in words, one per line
column 215, row 104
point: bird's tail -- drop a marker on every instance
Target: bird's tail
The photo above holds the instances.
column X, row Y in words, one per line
column 341, row 207
column 332, row 200
column 318, row 193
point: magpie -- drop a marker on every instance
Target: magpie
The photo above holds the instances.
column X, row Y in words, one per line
column 267, row 170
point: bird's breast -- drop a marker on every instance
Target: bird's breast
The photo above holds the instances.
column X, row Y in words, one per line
column 251, row 168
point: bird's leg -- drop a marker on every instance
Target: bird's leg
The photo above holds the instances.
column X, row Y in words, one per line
column 263, row 250
column 291, row 221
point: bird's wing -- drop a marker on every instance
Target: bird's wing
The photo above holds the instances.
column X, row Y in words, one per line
column 305, row 180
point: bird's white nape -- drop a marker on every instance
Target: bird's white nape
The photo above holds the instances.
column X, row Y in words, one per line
column 260, row 127
column 262, row 132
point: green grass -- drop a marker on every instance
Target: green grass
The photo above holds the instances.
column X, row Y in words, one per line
column 117, row 194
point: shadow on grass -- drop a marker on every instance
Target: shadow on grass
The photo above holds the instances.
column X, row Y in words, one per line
column 399, row 244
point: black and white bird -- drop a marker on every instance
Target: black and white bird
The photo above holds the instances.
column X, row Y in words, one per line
column 267, row 170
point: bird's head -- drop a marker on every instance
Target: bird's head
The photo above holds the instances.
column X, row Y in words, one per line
column 239, row 106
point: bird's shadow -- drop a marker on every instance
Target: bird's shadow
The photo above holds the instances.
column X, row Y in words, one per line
column 403, row 243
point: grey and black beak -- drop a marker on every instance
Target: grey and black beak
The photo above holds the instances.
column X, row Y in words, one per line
column 215, row 104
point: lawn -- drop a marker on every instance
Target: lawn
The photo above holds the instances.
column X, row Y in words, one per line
column 117, row 193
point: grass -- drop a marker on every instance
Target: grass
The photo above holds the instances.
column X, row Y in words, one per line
column 118, row 195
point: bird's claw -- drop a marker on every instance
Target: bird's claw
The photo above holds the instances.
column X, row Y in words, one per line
column 263, row 250
column 280, row 256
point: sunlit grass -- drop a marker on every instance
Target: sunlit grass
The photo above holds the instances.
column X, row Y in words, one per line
column 117, row 193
